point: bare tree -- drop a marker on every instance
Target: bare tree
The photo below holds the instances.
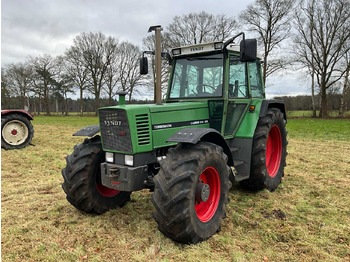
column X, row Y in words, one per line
column 223, row 27
column 112, row 78
column 270, row 20
column 304, row 40
column 76, row 70
column 63, row 85
column 197, row 28
column 43, row 79
column 95, row 52
column 346, row 82
column 321, row 42
column 5, row 93
column 19, row 76
column 129, row 74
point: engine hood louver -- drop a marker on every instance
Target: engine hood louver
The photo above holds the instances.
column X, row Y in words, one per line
column 143, row 131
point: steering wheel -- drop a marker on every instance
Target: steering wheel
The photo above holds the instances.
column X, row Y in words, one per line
column 213, row 88
column 203, row 89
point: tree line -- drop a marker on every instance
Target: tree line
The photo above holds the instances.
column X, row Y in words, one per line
column 304, row 102
column 95, row 64
column 306, row 37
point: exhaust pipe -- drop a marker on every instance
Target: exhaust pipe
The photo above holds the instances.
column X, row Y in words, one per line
column 158, row 91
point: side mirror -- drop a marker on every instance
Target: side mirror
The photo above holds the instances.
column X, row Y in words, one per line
column 143, row 65
column 248, row 49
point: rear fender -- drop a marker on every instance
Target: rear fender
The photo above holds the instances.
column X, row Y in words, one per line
column 17, row 111
column 267, row 104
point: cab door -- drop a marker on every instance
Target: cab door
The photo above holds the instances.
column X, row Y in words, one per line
column 238, row 95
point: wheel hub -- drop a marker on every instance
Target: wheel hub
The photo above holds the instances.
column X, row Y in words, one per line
column 14, row 132
column 202, row 192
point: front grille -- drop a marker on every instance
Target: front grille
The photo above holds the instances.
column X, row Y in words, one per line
column 115, row 130
column 142, row 126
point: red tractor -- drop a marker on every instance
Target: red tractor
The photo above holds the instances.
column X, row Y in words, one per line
column 16, row 129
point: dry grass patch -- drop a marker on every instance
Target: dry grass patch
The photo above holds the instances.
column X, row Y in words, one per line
column 306, row 219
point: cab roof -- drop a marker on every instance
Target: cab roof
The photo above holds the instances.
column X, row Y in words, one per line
column 204, row 48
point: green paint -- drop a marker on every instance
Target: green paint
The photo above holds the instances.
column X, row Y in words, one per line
column 122, row 99
column 250, row 120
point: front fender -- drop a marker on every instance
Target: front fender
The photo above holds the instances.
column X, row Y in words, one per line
column 191, row 135
column 194, row 135
column 89, row 131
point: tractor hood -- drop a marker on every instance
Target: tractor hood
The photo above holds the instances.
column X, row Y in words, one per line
column 153, row 108
column 141, row 128
column 169, row 118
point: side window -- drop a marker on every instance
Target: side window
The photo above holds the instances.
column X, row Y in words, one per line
column 238, row 85
column 175, row 91
column 255, row 79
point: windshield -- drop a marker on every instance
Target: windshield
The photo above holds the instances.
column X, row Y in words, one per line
column 199, row 76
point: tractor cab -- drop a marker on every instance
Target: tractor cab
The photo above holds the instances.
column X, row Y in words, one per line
column 208, row 71
column 226, row 75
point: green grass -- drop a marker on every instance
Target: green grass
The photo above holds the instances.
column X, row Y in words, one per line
column 72, row 121
column 306, row 219
column 308, row 113
column 319, row 129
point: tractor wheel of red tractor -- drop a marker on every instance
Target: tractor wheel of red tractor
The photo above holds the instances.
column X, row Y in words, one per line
column 191, row 192
column 82, row 180
column 16, row 131
column 268, row 153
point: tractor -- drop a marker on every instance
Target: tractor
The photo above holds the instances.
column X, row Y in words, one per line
column 213, row 128
column 16, row 129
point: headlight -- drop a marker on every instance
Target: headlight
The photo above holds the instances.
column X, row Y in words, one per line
column 129, row 160
column 176, row 51
column 109, row 157
column 218, row 45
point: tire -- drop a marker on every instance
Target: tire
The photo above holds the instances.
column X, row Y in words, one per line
column 269, row 152
column 82, row 180
column 181, row 211
column 16, row 131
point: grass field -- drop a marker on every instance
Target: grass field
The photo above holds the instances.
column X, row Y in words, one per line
column 308, row 113
column 306, row 219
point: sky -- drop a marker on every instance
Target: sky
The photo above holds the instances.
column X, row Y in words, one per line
column 36, row 27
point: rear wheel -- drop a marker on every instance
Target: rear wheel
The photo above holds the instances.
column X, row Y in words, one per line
column 191, row 192
column 82, row 180
column 16, row 131
column 269, row 152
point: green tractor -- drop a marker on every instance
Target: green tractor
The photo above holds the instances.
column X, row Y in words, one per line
column 215, row 127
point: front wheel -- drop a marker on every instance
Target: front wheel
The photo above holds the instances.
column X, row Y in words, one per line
column 82, row 180
column 191, row 192
column 269, row 152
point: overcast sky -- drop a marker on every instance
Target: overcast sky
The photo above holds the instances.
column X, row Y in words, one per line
column 34, row 27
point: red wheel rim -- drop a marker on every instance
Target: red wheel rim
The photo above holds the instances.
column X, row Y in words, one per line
column 103, row 190
column 206, row 210
column 273, row 151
